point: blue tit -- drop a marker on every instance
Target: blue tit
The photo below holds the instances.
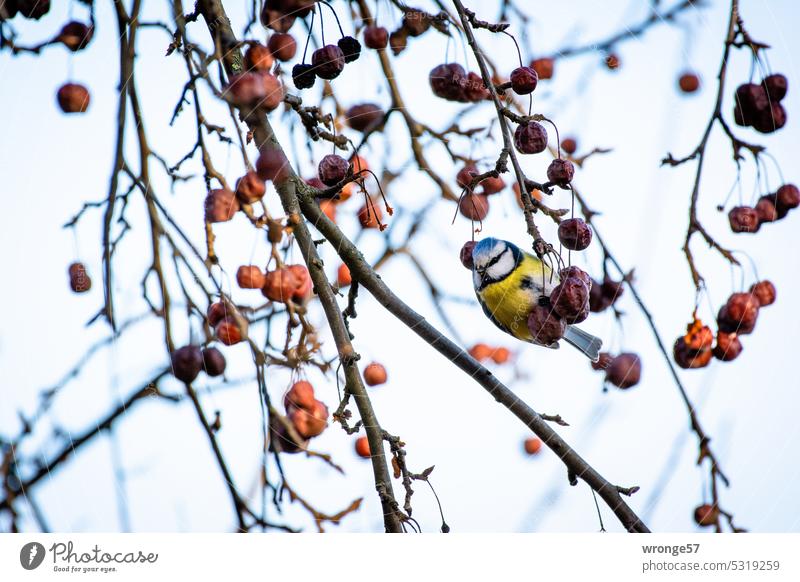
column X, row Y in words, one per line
column 509, row 283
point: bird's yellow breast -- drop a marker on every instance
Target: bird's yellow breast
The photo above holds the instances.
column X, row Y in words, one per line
column 508, row 302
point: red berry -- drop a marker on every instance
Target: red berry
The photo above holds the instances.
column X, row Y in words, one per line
column 282, row 46
column 560, row 172
column 569, row 145
column 545, row 325
column 775, row 86
column 612, row 62
column 216, row 312
column 300, row 395
column 689, row 358
column 343, row 277
column 362, row 447
column 524, row 80
column 416, row 22
column 332, row 169
column 250, row 277
column 481, row 352
column 543, row 67
column 771, row 119
column 228, row 331
column 311, row 422
column 73, row 98
column 466, row 175
column 328, row 61
column 79, row 280
column 501, row 356
column 532, row 445
column 743, row 219
column 706, row 515
column 728, row 346
column 272, row 165
column 398, row 41
column 375, row 374
column 364, row 117
column 376, row 37
column 258, row 58
column 446, row 81
column 787, row 197
column 739, row 314
column 625, row 370
column 530, row 138
column 765, row 292
column 474, row 206
column 765, row 208
column 570, row 299
column 213, row 362
column 574, row 234
column 466, row 253
column 75, row 35
column 689, row 82
column 221, row 205
column 370, row 216
column 187, row 363
column 250, row 188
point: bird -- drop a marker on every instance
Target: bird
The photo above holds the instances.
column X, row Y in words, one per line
column 509, row 283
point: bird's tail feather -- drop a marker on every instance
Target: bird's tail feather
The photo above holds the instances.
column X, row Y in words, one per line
column 587, row 343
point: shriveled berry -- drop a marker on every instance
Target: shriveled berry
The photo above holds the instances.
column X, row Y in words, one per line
column 524, row 80
column 771, row 119
column 689, row 82
column 328, row 61
column 258, row 58
column 375, row 374
column 570, row 299
column 574, row 234
column 598, row 302
column 303, row 76
column 625, row 370
column 765, row 292
column 560, row 172
column 575, row 271
column 545, row 326
column 603, row 362
column 416, row 22
column 532, row 445
column 698, row 336
column 350, row 47
column 362, row 447
column 743, row 219
column 544, row 67
column 73, row 98
column 728, row 346
column 775, row 86
column 474, row 206
column 304, row 285
column 364, row 117
column 739, row 314
column 398, row 41
column 187, row 363
column 466, row 254
column 765, row 209
column 530, row 138
column 787, row 197
column 473, row 89
column 279, row 285
column 332, row 169
column 250, row 188
column 250, row 277
column 706, row 515
column 376, row 37
column 272, row 165
column 689, row 358
column 255, row 89
column 213, row 362
column 446, row 80
column 612, row 62
column 75, row 35
column 282, row 46
column 221, row 205
column 750, row 100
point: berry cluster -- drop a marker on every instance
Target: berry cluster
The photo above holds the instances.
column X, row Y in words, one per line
column 229, row 327
column 307, row 415
column 758, row 105
column 485, row 353
column 769, row 208
column 189, row 361
column 451, row 82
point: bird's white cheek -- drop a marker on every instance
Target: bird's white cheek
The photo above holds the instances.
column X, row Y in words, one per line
column 476, row 279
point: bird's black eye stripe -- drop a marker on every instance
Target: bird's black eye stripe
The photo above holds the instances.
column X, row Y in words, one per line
column 493, row 261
